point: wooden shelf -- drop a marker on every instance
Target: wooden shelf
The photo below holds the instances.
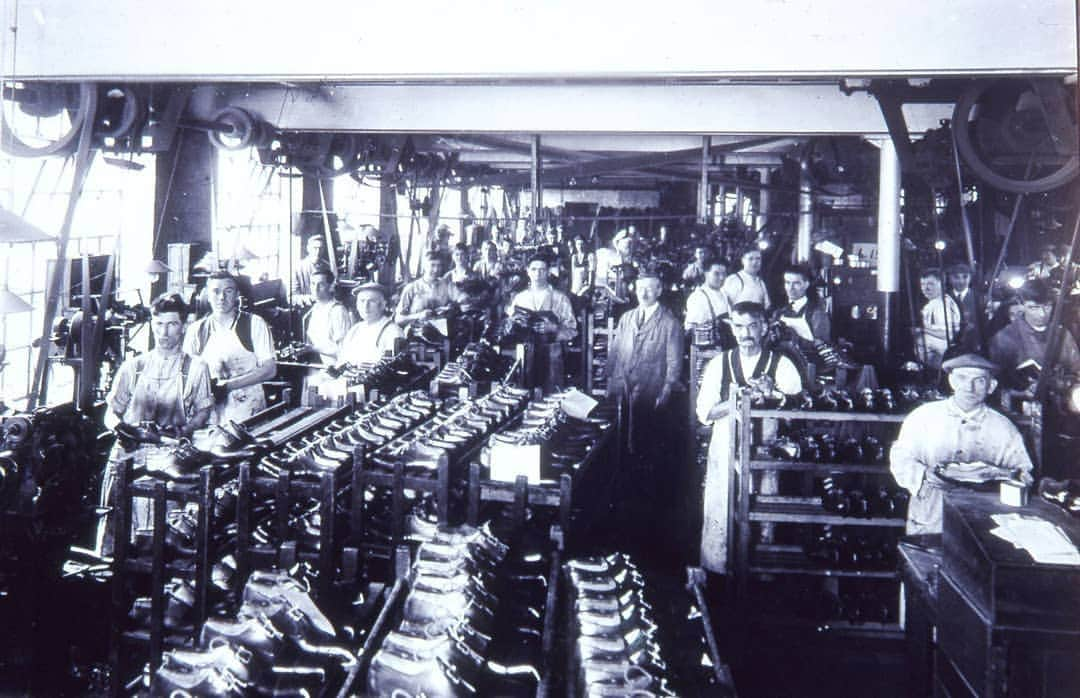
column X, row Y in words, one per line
column 794, row 561
column 815, row 416
column 838, row 625
column 809, row 513
column 807, row 466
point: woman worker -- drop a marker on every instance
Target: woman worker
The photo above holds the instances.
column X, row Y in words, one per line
column 164, row 386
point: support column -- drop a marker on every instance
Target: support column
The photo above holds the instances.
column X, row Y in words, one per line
column 388, row 230
column 888, row 236
column 703, row 185
column 183, row 196
column 761, row 218
column 806, row 214
column 537, row 197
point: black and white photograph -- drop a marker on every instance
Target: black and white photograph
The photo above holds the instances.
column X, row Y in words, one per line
column 540, row 349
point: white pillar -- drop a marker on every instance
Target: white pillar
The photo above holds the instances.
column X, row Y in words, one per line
column 806, row 214
column 888, row 218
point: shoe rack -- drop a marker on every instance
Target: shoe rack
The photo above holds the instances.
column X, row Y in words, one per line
column 600, row 331
column 774, row 542
column 157, row 567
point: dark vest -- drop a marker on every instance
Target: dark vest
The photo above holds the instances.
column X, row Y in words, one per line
column 766, row 365
column 242, row 327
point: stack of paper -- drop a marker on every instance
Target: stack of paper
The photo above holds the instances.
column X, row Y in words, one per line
column 1044, row 541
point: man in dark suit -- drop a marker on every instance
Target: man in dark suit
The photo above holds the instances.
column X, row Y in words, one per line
column 960, row 289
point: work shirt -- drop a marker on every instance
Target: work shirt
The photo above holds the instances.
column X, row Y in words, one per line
column 551, row 300
column 151, row 387
column 457, row 275
column 226, row 357
column 1018, row 341
column 940, row 432
column 934, row 315
column 327, row 324
column 704, row 306
column 366, row 342
column 742, row 287
column 486, row 269
column 606, row 259
column 302, row 276
column 423, row 295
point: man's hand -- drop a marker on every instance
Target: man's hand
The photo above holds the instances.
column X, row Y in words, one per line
column 664, row 396
column 219, row 388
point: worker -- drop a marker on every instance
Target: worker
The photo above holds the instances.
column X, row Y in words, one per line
column 557, row 322
column 971, row 320
column 613, row 265
column 645, row 358
column 694, row 273
column 707, row 305
column 488, row 266
column 805, row 315
column 165, row 386
column 374, row 336
column 459, row 269
column 745, row 285
column 749, row 365
column 328, row 320
column 582, row 266
column 959, row 429
column 303, row 291
column 420, row 298
column 238, row 349
column 1024, row 339
column 940, row 320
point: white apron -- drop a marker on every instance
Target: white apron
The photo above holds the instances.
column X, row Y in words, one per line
column 227, row 357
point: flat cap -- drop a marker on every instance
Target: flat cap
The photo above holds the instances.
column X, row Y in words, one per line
column 970, row 361
column 371, row 286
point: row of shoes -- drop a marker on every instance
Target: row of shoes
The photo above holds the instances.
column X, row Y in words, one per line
column 479, row 361
column 843, row 494
column 278, row 643
column 471, row 624
column 844, row 548
column 567, row 440
column 389, row 376
column 615, row 645
column 330, row 448
column 457, row 428
column 823, row 448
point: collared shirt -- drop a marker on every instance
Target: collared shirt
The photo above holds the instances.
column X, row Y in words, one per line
column 421, row 295
column 934, row 315
column 368, row 342
column 704, row 305
column 645, row 312
column 940, row 432
column 741, row 287
column 710, row 392
column 552, row 300
column 327, row 323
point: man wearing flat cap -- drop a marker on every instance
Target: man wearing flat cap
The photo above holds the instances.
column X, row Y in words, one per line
column 959, row 431
column 1025, row 338
column 370, row 339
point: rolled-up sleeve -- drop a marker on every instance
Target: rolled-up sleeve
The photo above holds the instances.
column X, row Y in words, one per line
column 709, row 391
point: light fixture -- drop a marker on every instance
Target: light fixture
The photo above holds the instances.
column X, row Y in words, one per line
column 156, row 266
column 939, row 245
column 14, row 228
column 1016, row 283
column 10, row 303
column 763, row 244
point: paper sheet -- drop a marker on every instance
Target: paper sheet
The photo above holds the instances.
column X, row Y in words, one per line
column 1044, row 541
